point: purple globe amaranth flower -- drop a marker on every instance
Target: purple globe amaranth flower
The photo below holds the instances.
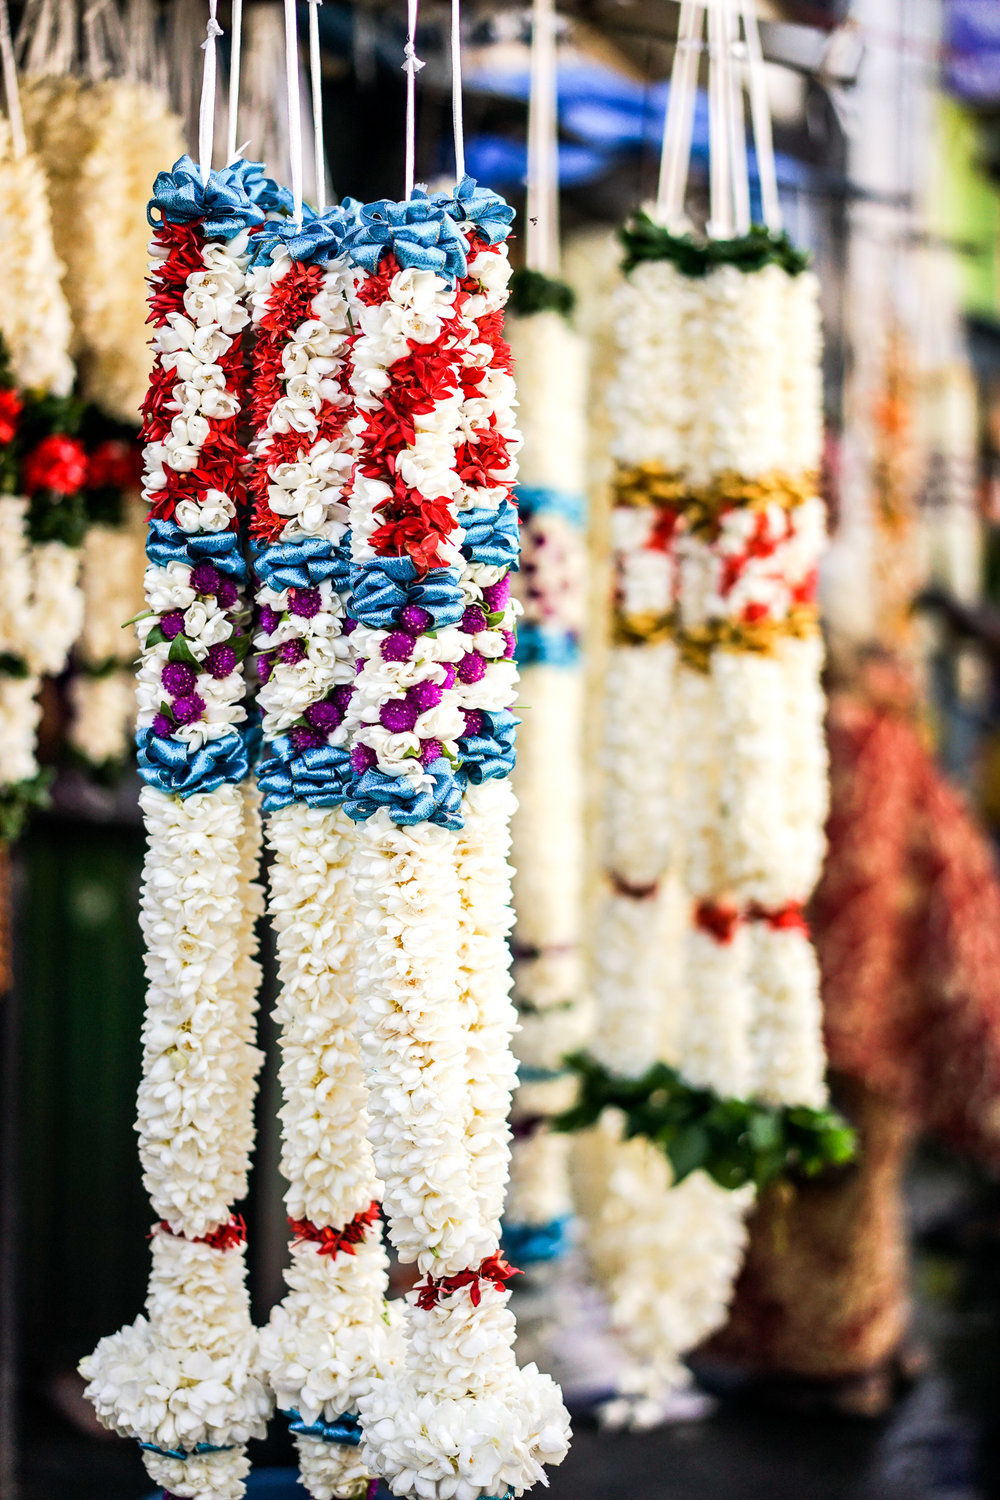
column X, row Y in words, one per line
column 473, row 620
column 205, row 579
column 415, row 620
column 305, row 739
column 424, row 695
column 269, row 619
column 306, row 603
column 178, row 678
column 473, row 720
column 430, row 750
column 187, row 710
column 497, row 595
column 359, row 666
column 510, row 647
column 227, row 594
column 397, row 646
column 161, row 725
column 324, row 716
column 221, row 660
column 363, row 758
column 349, row 625
column 342, row 695
column 290, row 652
column 172, row 623
column 264, row 666
column 397, row 716
column 472, row 667
column 450, row 674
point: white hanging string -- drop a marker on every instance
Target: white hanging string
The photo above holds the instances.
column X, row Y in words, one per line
column 736, row 126
column 720, row 182
column 411, row 67
column 316, row 86
column 11, row 93
column 457, row 122
column 235, row 49
column 294, row 106
column 676, row 154
column 542, row 233
column 760, row 115
column 206, row 114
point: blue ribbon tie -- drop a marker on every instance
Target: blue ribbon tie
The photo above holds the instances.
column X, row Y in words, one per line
column 408, row 803
column 172, row 767
column 303, row 563
column 222, row 202
column 166, row 542
column 320, row 776
column 383, row 585
column 491, row 536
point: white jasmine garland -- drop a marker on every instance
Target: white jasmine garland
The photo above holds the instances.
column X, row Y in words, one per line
column 786, row 1036
column 103, row 715
column 15, row 576
column 56, row 609
column 20, row 713
column 34, row 316
column 186, row 1374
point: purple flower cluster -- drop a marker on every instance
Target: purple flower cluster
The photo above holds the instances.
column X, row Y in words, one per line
column 180, row 678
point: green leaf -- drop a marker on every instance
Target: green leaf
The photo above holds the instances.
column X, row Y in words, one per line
column 688, row 1150
column 181, row 651
column 534, row 292
column 155, row 636
column 494, row 618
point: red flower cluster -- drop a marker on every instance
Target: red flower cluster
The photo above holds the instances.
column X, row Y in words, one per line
column 115, row 465
column 333, row 1241
column 788, row 918
column 183, row 243
column 288, row 306
column 226, row 1237
column 493, row 1269
column 57, row 463
column 10, row 410
column 719, row 919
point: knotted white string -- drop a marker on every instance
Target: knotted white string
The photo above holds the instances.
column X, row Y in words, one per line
column 316, row 86
column 676, row 154
column 760, row 116
column 236, row 45
column 294, row 107
column 411, row 67
column 457, row 121
column 206, row 115
column 542, row 233
column 14, row 115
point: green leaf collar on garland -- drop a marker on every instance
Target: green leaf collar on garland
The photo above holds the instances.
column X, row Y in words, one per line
column 643, row 240
column 734, row 1140
column 534, row 292
column 18, row 801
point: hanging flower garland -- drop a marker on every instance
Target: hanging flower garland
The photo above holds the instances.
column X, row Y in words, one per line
column 715, row 765
column 434, row 534
column 34, row 316
column 200, row 899
column 547, row 827
column 329, row 1336
column 102, row 688
column 100, row 144
column 42, row 516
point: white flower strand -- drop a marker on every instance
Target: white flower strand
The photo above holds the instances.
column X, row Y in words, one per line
column 102, row 695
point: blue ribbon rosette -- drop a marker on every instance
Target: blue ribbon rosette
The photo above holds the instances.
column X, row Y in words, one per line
column 406, row 801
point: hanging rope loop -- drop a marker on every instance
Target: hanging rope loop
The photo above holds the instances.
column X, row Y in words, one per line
column 294, row 107
column 206, row 114
column 316, row 89
column 411, row 67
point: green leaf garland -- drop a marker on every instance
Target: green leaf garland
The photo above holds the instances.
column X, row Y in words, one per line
column 734, row 1140
column 643, row 240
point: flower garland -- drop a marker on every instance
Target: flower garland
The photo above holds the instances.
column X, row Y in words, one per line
column 102, row 688
column 433, row 537
column 328, row 1338
column 41, row 519
column 100, row 144
column 34, row 317
column 715, row 760
column 200, row 899
column 547, row 827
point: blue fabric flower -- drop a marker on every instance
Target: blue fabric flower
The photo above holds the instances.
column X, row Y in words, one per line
column 407, row 802
column 491, row 536
column 186, row 1453
column 318, row 239
column 533, row 1244
column 490, row 754
column 166, row 542
column 420, row 233
column 477, row 205
column 173, row 767
column 319, row 777
column 382, row 586
column 222, row 201
column 303, row 563
column 548, row 644
column 343, row 1429
column 263, row 190
column 539, row 500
